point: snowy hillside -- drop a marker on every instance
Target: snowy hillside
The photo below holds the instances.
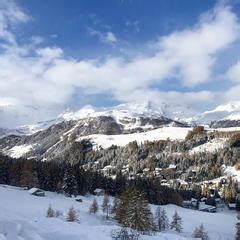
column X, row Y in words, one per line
column 130, row 116
column 106, row 141
column 229, row 111
column 23, row 216
column 211, row 146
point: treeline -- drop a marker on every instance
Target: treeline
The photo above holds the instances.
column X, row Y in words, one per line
column 73, row 180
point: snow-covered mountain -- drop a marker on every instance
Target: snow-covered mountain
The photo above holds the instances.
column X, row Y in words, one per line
column 124, row 123
column 225, row 115
column 131, row 117
column 105, row 127
column 144, row 116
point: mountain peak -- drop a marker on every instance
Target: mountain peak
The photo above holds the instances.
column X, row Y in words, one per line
column 130, row 109
column 229, row 107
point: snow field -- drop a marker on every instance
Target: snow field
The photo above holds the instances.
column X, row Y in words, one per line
column 106, row 141
column 23, row 216
column 211, row 146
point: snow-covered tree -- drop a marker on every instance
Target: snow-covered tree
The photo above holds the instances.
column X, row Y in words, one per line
column 69, row 183
column 29, row 177
column 176, row 223
column 238, row 227
column 161, row 219
column 114, row 206
column 106, row 205
column 94, row 207
column 133, row 211
column 125, row 234
column 50, row 211
column 200, row 232
column 71, row 216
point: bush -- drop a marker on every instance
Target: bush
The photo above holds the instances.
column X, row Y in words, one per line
column 125, row 234
column 195, row 132
column 94, row 207
column 200, row 233
column 50, row 212
column 71, row 217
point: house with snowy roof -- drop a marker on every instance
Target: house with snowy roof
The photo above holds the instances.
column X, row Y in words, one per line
column 36, row 192
column 99, row 192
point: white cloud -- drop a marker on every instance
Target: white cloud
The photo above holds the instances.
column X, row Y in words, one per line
column 10, row 14
column 234, row 73
column 194, row 50
column 106, row 37
column 43, row 76
column 110, row 37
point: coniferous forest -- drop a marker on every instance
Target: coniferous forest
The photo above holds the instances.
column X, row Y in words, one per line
column 73, row 180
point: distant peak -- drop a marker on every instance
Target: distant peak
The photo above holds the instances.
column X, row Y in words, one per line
column 229, row 107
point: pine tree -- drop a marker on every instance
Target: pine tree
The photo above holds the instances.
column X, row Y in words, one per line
column 161, row 219
column 199, row 232
column 106, row 205
column 133, row 211
column 50, row 212
column 228, row 194
column 176, row 223
column 238, row 227
column 114, row 206
column 238, row 231
column 125, row 234
column 29, row 176
column 71, row 216
column 69, row 183
column 94, row 207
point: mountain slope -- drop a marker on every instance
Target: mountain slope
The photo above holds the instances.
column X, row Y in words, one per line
column 53, row 138
column 227, row 115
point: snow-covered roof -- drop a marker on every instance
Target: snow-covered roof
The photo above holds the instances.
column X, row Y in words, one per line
column 98, row 190
column 172, row 166
column 33, row 190
column 203, row 206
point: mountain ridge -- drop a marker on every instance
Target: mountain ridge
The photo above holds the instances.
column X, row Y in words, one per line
column 225, row 115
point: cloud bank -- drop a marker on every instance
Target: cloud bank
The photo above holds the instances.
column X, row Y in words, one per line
column 36, row 79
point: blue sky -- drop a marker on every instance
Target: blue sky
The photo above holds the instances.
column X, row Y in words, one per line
column 58, row 54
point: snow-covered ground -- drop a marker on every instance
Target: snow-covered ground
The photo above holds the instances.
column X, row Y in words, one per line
column 211, row 146
column 23, row 216
column 18, row 151
column 230, row 129
column 228, row 111
column 231, row 171
column 105, row 141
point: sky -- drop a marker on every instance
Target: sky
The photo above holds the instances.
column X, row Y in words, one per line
column 60, row 55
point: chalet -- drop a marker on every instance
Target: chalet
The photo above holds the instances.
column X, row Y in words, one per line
column 203, row 199
column 36, row 192
column 99, row 192
column 206, row 208
column 232, row 206
column 192, row 204
column 78, row 200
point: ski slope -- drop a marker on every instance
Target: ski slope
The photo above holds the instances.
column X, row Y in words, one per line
column 23, row 217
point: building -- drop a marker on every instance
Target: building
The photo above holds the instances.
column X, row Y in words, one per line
column 232, row 206
column 208, row 209
column 36, row 192
column 192, row 204
column 99, row 192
